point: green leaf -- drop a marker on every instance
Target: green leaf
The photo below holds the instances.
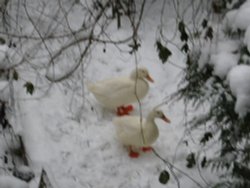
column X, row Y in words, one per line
column 135, row 46
column 185, row 48
column 163, row 52
column 2, row 41
column 191, row 160
column 164, row 177
column 204, row 162
column 204, row 23
column 181, row 26
column 209, row 33
column 206, row 137
column 185, row 142
column 15, row 75
column 188, row 61
column 29, row 87
column 184, row 36
column 182, row 30
column 244, row 50
column 219, row 6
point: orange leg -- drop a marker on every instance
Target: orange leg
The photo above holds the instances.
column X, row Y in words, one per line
column 129, row 108
column 132, row 153
column 145, row 149
column 122, row 110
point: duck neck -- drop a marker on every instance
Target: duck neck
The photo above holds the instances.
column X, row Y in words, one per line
column 151, row 117
column 141, row 85
column 151, row 131
column 151, row 121
column 134, row 76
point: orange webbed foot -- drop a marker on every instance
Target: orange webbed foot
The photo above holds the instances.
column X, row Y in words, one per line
column 146, row 149
column 129, row 108
column 122, row 110
column 133, row 154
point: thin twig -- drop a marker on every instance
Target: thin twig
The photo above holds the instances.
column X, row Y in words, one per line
column 179, row 170
column 138, row 100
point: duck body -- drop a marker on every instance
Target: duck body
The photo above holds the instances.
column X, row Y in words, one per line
column 132, row 131
column 112, row 93
column 118, row 92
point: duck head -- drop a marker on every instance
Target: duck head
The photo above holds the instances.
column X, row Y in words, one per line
column 141, row 73
column 160, row 114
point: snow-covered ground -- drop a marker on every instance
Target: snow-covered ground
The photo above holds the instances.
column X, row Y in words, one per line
column 72, row 137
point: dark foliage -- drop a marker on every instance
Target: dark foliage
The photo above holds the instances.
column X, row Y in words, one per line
column 164, row 177
column 163, row 52
column 3, row 119
column 29, row 87
column 202, row 86
column 191, row 162
column 183, row 32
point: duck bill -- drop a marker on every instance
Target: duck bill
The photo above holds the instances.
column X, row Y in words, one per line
column 149, row 78
column 164, row 118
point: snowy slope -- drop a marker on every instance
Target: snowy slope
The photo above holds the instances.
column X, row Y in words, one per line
column 69, row 135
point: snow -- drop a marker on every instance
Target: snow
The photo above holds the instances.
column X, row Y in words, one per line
column 247, row 38
column 8, row 57
column 229, row 20
column 223, row 62
column 242, row 20
column 221, row 55
column 239, row 79
column 12, row 182
column 238, row 19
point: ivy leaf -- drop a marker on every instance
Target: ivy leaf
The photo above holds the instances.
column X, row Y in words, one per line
column 2, row 41
column 218, row 6
column 135, row 46
column 182, row 30
column 185, row 48
column 204, row 23
column 184, row 36
column 164, row 177
column 181, row 26
column 185, row 142
column 206, row 137
column 245, row 51
column 29, row 87
column 15, row 75
column 163, row 52
column 191, row 160
column 189, row 62
column 209, row 33
column 204, row 162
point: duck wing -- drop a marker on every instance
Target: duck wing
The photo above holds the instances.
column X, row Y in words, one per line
column 130, row 125
column 110, row 87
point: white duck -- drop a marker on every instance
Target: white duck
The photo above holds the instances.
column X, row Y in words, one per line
column 133, row 132
column 115, row 93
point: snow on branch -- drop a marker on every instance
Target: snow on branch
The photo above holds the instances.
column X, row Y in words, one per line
column 239, row 79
